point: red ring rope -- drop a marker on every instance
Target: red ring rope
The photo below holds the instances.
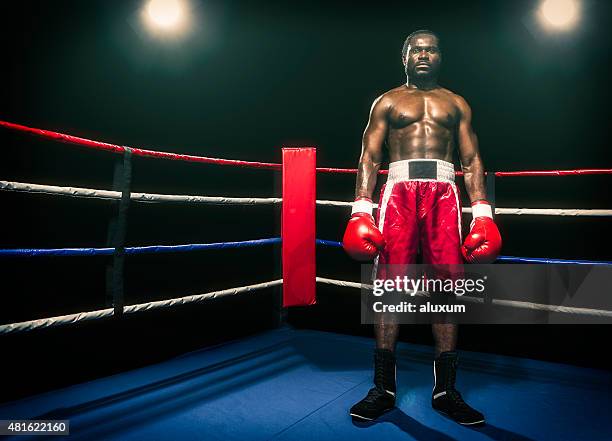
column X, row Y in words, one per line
column 69, row 139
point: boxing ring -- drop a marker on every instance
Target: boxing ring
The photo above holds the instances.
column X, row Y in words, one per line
column 290, row 384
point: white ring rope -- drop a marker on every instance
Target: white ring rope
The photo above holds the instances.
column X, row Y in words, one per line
column 549, row 211
column 222, row 200
column 50, row 322
column 324, row 203
column 500, row 302
column 108, row 312
column 343, row 283
column 136, row 197
column 514, row 211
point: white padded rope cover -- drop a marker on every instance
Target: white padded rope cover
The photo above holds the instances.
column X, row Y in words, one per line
column 50, row 322
column 512, row 303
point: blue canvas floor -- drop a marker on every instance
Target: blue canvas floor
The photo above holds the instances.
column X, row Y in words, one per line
column 295, row 385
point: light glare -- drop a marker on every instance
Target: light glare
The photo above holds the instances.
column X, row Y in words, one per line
column 166, row 16
column 559, row 14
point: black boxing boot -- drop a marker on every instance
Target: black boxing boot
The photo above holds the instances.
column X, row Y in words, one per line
column 381, row 398
column 445, row 398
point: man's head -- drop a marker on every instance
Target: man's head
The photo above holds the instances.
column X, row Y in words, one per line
column 421, row 55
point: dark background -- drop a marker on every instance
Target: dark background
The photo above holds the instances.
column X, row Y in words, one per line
column 251, row 78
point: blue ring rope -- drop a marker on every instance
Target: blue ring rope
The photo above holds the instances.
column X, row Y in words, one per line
column 550, row 261
column 332, row 243
column 32, row 252
column 154, row 249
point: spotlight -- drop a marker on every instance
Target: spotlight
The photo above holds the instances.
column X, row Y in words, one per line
column 166, row 16
column 559, row 14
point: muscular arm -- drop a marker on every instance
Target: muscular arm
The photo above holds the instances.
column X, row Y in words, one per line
column 371, row 149
column 469, row 154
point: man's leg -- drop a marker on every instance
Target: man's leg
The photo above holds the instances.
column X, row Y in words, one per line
column 446, row 399
column 441, row 244
column 386, row 334
column 401, row 247
column 386, row 331
column 445, row 337
column 381, row 398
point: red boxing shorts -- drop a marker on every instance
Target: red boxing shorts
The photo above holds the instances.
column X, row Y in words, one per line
column 419, row 209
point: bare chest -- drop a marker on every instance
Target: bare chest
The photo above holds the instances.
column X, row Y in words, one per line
column 425, row 108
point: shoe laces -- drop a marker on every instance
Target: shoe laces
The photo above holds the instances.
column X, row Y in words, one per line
column 373, row 395
column 449, row 374
column 379, row 372
column 457, row 399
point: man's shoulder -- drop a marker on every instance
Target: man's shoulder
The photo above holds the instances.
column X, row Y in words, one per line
column 389, row 97
column 395, row 92
column 456, row 98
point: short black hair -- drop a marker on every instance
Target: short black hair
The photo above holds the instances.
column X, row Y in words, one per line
column 412, row 35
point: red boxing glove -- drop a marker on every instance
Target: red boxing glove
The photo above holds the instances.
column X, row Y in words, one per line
column 483, row 242
column 362, row 239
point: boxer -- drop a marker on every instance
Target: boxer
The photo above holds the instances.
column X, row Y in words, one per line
column 420, row 123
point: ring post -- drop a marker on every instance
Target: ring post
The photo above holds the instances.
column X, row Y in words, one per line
column 122, row 181
column 298, row 226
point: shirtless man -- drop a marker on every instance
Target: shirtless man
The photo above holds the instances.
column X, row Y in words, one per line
column 420, row 123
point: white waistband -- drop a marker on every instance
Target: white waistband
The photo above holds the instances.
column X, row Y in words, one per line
column 440, row 170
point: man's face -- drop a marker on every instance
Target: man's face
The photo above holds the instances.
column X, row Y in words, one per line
column 423, row 57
